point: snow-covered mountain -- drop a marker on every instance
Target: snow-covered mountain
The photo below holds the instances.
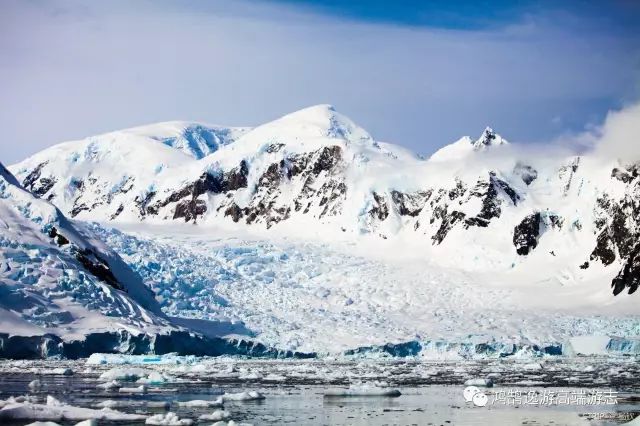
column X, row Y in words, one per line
column 57, row 278
column 64, row 292
column 477, row 204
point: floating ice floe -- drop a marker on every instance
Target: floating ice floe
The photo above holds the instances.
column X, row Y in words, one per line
column 110, row 403
column 61, row 371
column 479, row 382
column 202, row 403
column 158, row 404
column 230, row 423
column 119, row 359
column 113, row 384
column 242, row 396
column 35, row 384
column 139, row 389
column 216, row 416
column 363, row 390
column 250, row 376
column 55, row 410
column 169, row 419
column 129, row 374
column 155, row 378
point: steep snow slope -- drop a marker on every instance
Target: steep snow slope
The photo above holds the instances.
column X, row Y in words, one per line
column 482, row 205
column 55, row 277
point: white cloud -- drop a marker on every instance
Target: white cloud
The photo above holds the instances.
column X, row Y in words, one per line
column 619, row 136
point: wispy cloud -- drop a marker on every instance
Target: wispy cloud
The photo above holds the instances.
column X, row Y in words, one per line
column 70, row 69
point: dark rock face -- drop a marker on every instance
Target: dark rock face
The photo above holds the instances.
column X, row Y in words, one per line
column 99, row 267
column 448, row 222
column 329, row 158
column 33, row 176
column 605, row 249
column 45, row 185
column 117, row 212
column 142, row 202
column 60, row 239
column 99, row 194
column 567, row 172
column 37, row 184
column 235, row 212
column 410, row 204
column 618, row 225
column 274, row 147
column 629, row 275
column 213, row 183
column 526, row 234
column 489, row 191
column 380, row 209
column 318, row 173
column 619, row 228
column 190, row 209
column 268, row 206
column 88, row 258
column 626, row 175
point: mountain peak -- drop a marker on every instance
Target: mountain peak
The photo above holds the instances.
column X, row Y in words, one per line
column 488, row 138
column 317, row 121
column 464, row 146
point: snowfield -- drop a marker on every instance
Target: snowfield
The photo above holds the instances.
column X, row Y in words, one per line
column 331, row 297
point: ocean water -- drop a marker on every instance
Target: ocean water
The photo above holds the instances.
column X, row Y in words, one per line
column 431, row 393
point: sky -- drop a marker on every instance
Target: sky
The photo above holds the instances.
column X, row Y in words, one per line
column 416, row 73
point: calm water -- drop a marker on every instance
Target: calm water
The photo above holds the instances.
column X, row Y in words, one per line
column 301, row 400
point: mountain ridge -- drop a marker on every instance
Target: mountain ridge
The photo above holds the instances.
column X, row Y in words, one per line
column 315, row 168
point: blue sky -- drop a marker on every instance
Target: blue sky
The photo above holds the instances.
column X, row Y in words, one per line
column 474, row 15
column 416, row 73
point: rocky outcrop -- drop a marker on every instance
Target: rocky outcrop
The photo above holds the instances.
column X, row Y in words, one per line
column 187, row 204
column 89, row 259
column 410, row 204
column 36, row 183
column 317, row 175
column 629, row 275
column 526, row 234
column 380, row 208
column 618, row 229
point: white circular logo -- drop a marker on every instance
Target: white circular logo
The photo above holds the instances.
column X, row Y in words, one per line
column 473, row 393
column 480, row 399
column 469, row 391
